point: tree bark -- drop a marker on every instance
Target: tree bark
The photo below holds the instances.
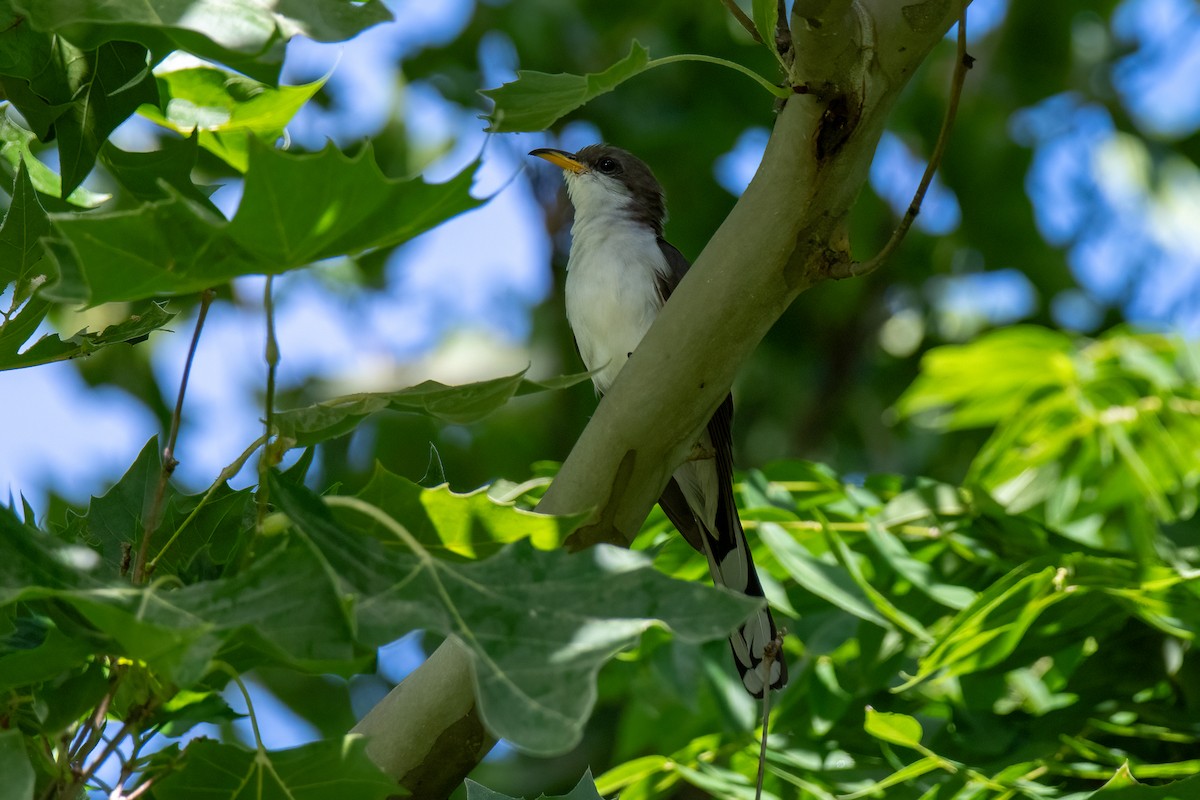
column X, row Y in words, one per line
column 785, row 234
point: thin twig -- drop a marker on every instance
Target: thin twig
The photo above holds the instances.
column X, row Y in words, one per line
column 169, row 462
column 272, row 357
column 770, row 653
column 85, row 775
column 86, row 743
column 963, row 63
column 141, row 789
column 741, row 17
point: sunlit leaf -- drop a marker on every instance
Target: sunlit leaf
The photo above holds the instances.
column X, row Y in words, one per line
column 248, row 36
column 468, row 525
column 225, row 110
column 898, row 729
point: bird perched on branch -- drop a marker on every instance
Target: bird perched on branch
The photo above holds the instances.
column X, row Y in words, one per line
column 620, row 273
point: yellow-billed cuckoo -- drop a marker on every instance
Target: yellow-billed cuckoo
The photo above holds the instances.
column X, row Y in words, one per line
column 620, row 272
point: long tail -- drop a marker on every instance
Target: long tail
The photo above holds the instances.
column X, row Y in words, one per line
column 699, row 502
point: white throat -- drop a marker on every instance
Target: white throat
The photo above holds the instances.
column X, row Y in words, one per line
column 611, row 292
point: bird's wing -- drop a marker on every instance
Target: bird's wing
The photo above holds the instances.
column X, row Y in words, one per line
column 677, row 267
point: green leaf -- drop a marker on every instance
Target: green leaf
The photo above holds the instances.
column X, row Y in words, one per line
column 468, row 525
column 983, row 382
column 906, row 773
column 985, row 632
column 80, row 96
column 536, row 100
column 877, row 598
column 317, row 771
column 225, row 109
column 15, row 767
column 15, row 332
column 144, row 174
column 14, row 150
column 177, row 246
column 1179, row 790
column 538, row 624
column 248, row 36
column 827, row 581
column 285, row 608
column 24, row 224
column 455, row 404
column 892, row 728
column 37, row 650
column 584, row 790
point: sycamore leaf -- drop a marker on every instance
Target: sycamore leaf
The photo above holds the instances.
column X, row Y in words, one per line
column 178, row 246
column 80, row 96
column 111, row 525
column 455, row 404
column 14, row 150
column 584, row 790
column 284, row 609
column 248, row 36
column 323, row 769
column 15, row 765
column 468, row 525
column 536, row 100
column 15, row 332
column 143, row 175
column 225, row 109
column 538, row 624
column 24, row 224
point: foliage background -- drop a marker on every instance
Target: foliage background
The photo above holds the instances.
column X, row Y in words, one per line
column 1068, row 200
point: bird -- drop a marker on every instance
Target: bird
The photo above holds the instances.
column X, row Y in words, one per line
column 620, row 273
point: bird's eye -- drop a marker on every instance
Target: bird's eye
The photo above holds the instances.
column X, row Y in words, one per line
column 608, row 165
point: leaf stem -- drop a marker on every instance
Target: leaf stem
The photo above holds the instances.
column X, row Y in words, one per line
column 233, row 673
column 963, row 63
column 169, row 462
column 272, row 357
column 778, row 91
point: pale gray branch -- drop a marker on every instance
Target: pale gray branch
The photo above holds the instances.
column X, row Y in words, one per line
column 786, row 233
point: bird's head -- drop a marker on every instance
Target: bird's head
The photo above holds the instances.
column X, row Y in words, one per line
column 602, row 180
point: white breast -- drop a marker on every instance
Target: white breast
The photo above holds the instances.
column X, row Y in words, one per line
column 611, row 295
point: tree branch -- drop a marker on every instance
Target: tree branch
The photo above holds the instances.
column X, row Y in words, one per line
column 786, row 233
